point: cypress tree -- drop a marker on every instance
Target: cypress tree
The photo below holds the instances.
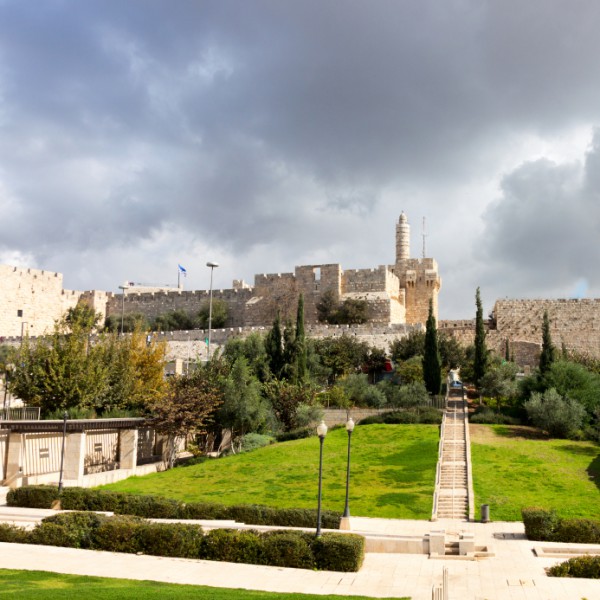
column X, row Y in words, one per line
column 274, row 347
column 432, row 363
column 480, row 359
column 300, row 342
column 548, row 353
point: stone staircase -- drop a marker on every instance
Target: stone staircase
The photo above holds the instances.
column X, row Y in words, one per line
column 452, row 493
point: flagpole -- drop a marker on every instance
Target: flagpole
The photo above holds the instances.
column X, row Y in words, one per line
column 178, row 277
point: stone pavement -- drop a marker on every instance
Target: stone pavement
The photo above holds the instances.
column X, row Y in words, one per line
column 513, row 573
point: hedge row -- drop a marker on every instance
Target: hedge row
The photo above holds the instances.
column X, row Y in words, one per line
column 587, row 567
column 124, row 533
column 157, row 507
column 425, row 415
column 546, row 526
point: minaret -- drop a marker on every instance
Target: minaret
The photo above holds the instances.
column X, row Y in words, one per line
column 402, row 239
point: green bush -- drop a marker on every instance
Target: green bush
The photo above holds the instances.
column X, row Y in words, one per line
column 580, row 531
column 296, row 434
column 253, row 441
column 288, row 549
column 12, row 534
column 339, row 552
column 202, row 510
column 80, row 528
column 156, row 507
column 170, row 539
column 77, row 498
column 33, row 496
column 233, row 545
column 119, row 534
column 540, row 523
column 587, row 567
column 488, row 416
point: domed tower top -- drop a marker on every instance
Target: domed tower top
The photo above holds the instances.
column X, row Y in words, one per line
column 402, row 239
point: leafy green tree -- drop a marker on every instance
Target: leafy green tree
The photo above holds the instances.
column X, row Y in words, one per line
column 61, row 371
column 220, row 314
column 452, row 354
column 355, row 386
column 548, row 353
column 408, row 347
column 351, row 311
column 575, row 381
column 188, row 408
column 432, row 364
column 411, row 370
column 131, row 322
column 341, row 355
column 252, row 348
column 327, row 307
column 499, row 382
column 412, row 395
column 480, row 359
column 176, row 320
column 286, row 398
column 244, row 409
column 375, row 362
column 560, row 417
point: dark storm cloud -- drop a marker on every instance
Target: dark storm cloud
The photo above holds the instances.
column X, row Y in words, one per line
column 541, row 233
column 279, row 123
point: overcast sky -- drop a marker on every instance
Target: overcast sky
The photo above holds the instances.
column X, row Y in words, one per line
column 136, row 135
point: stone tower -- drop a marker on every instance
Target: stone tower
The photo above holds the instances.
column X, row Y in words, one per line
column 419, row 277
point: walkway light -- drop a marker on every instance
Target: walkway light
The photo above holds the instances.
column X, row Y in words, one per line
column 349, row 429
column 212, row 266
column 321, row 432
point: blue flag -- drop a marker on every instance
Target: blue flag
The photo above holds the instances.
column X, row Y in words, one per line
column 182, row 270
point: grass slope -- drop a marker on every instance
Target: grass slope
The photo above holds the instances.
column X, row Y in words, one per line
column 392, row 474
column 511, row 471
column 40, row 585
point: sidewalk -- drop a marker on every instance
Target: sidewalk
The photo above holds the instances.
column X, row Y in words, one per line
column 513, row 573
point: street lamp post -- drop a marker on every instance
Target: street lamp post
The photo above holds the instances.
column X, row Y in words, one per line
column 123, row 288
column 345, row 523
column 212, row 266
column 321, row 432
column 62, row 452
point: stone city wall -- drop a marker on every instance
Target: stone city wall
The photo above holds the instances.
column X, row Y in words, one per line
column 32, row 300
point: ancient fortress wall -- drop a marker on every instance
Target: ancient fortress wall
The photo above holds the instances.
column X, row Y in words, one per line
column 32, row 300
column 573, row 323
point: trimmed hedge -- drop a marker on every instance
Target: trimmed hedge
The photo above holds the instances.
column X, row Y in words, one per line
column 157, row 507
column 546, row 526
column 122, row 533
column 587, row 567
column 426, row 415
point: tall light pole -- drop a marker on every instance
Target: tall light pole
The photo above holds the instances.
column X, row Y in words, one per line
column 212, row 266
column 123, row 288
column 23, row 323
column 321, row 432
column 346, row 516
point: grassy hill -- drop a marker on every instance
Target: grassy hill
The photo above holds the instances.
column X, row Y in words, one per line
column 392, row 474
column 515, row 467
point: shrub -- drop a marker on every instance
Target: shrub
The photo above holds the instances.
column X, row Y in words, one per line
column 560, row 417
column 54, row 534
column 488, row 416
column 81, row 527
column 232, row 545
column 170, row 539
column 339, row 552
column 540, row 524
column 33, row 496
column 580, row 531
column 253, row 441
column 119, row 534
column 296, row 434
column 12, row 534
column 76, row 498
column 202, row 510
column 288, row 549
column 581, row 566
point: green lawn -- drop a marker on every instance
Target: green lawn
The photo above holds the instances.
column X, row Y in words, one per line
column 40, row 585
column 511, row 471
column 392, row 474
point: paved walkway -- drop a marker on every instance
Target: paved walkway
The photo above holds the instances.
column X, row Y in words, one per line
column 513, row 573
